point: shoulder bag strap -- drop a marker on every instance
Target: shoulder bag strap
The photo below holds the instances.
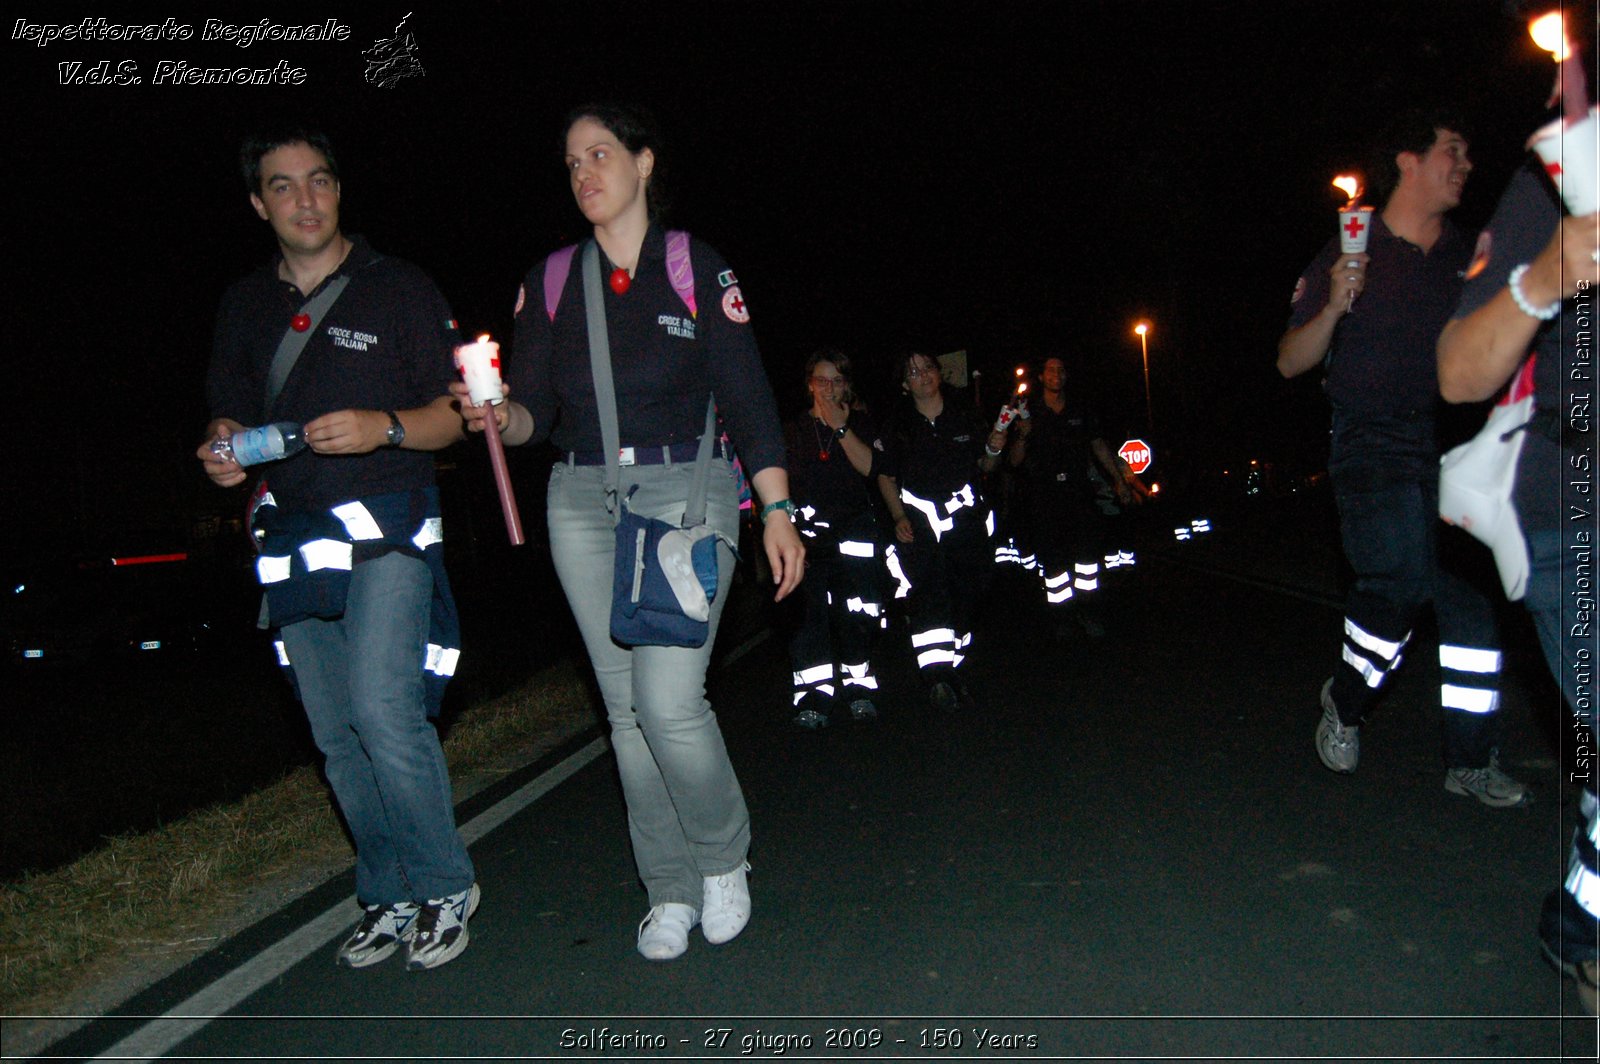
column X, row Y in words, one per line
column 605, row 394
column 294, row 342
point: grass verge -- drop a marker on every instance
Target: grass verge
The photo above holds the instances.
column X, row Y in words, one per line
column 151, row 901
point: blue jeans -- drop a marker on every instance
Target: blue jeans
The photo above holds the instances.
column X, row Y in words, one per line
column 686, row 813
column 360, row 678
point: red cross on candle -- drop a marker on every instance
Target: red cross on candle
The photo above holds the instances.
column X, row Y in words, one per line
column 1353, row 227
column 1553, row 169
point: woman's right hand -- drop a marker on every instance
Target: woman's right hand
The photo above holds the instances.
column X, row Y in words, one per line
column 902, row 530
column 477, row 417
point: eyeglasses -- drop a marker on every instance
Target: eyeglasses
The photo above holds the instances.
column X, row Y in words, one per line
column 915, row 372
column 829, row 382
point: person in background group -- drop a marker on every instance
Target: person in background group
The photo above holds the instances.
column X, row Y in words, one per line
column 350, row 534
column 1054, row 449
column 933, row 456
column 686, row 813
column 830, row 461
column 1371, row 320
column 1533, row 290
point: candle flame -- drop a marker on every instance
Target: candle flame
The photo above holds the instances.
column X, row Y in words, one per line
column 1350, row 185
column 1022, row 388
column 1019, row 371
column 483, row 339
column 1550, row 33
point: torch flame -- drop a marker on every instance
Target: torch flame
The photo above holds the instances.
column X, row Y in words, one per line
column 1350, row 185
column 1022, row 388
column 1550, row 33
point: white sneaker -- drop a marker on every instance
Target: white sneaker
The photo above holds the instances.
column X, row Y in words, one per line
column 664, row 932
column 727, row 905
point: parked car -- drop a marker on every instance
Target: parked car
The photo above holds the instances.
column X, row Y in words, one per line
column 102, row 611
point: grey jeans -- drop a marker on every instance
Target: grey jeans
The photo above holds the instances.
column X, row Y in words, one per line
column 686, row 813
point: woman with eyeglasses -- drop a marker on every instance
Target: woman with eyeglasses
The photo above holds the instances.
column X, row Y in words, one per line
column 671, row 349
column 934, row 456
column 830, row 461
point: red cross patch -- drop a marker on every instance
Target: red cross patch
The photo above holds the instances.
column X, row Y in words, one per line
column 733, row 306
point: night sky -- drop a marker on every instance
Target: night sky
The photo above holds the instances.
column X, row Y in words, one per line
column 1001, row 177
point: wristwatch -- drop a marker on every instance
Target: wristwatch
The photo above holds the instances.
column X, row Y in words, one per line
column 839, row 432
column 782, row 504
column 397, row 432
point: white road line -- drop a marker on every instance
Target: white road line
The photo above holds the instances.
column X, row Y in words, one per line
column 158, row 1037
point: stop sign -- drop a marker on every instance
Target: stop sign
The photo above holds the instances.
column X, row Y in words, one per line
column 1137, row 454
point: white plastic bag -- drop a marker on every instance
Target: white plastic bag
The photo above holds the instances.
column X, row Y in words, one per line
column 1477, row 479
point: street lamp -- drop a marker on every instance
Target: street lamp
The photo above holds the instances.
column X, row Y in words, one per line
column 1142, row 330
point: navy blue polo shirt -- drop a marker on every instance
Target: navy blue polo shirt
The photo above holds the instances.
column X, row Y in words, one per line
column 387, row 344
column 1381, row 363
column 1057, row 450
column 665, row 362
column 933, row 459
column 820, row 473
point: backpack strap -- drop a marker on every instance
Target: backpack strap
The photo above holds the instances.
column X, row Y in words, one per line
column 680, row 268
column 556, row 268
column 680, row 271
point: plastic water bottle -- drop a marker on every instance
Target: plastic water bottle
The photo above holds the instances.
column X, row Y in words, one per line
column 265, row 443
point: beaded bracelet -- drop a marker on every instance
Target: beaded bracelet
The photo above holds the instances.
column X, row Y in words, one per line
column 1515, row 284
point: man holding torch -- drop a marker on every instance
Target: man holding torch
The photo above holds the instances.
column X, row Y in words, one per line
column 356, row 347
column 1370, row 319
column 1053, row 450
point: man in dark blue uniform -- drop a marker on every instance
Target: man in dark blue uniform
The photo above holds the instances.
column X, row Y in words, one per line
column 1054, row 449
column 1371, row 320
column 350, row 531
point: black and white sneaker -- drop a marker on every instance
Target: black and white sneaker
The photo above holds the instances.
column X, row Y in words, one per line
column 441, row 930
column 379, row 934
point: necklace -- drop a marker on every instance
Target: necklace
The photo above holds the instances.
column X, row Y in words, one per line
column 824, row 440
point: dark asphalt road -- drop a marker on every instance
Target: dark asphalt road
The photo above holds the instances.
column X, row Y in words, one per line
column 1130, row 852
